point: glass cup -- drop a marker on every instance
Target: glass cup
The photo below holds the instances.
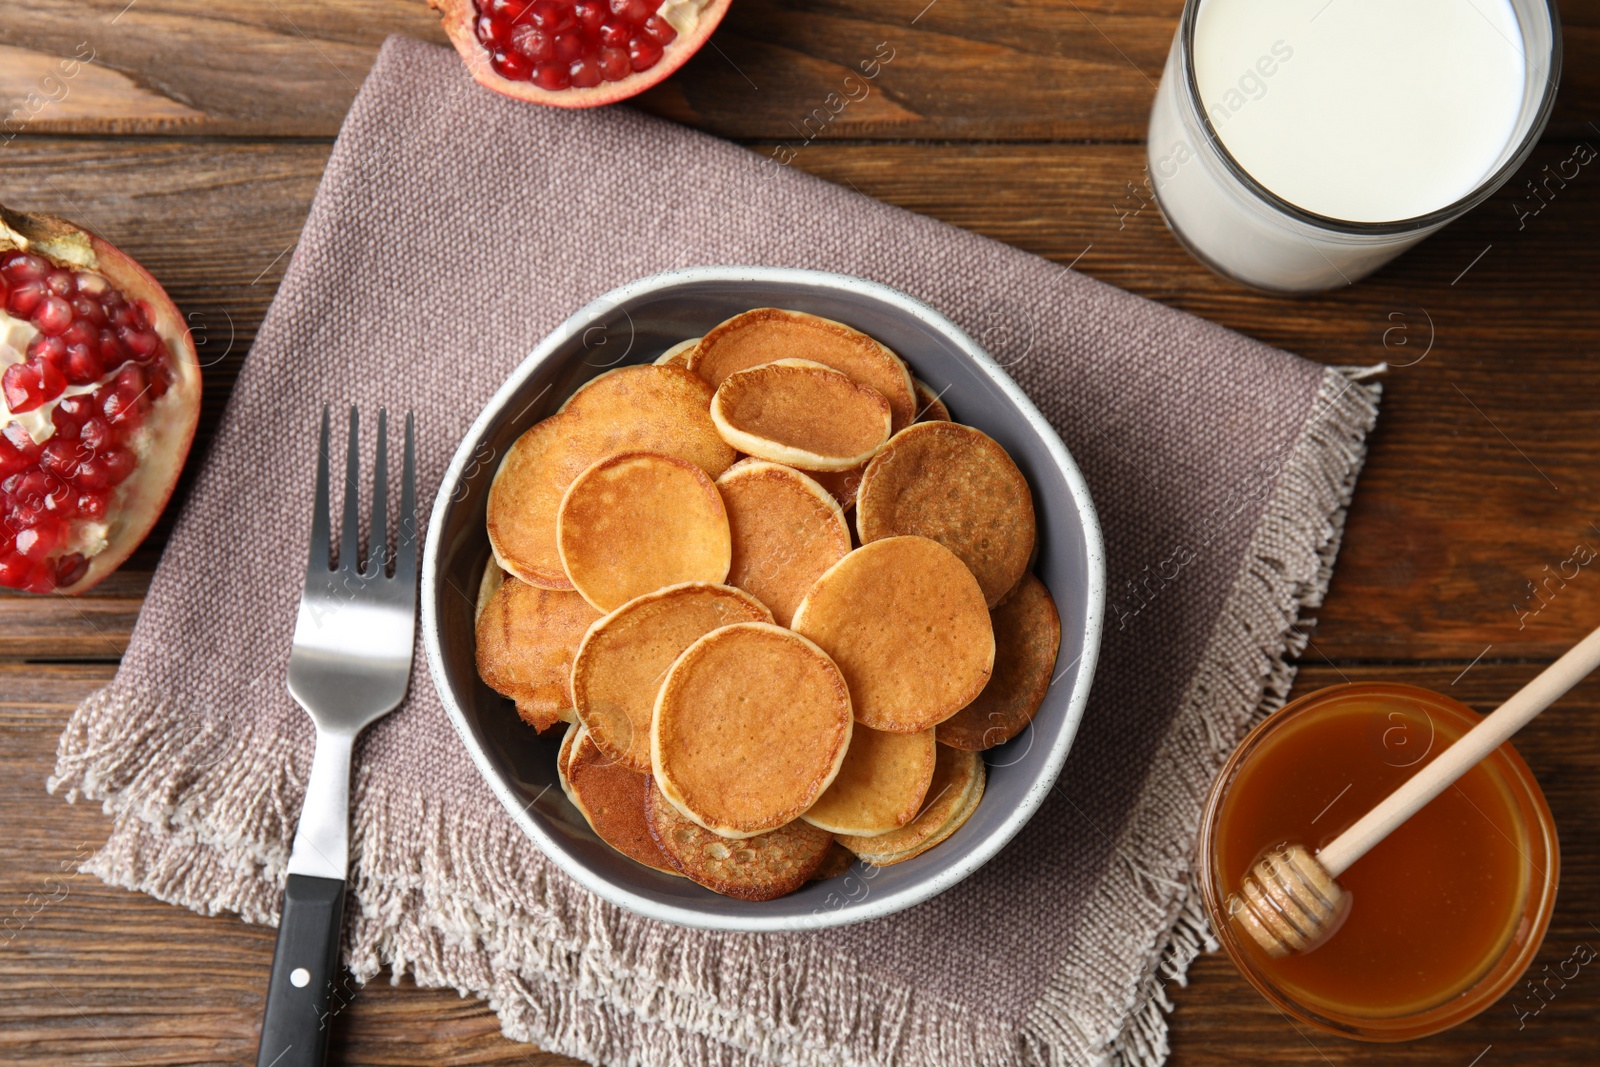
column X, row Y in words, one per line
column 1458, row 996
column 1245, row 232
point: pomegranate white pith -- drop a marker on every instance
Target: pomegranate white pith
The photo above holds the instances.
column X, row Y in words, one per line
column 576, row 53
column 101, row 394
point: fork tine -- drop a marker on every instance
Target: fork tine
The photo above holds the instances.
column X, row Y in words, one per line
column 405, row 538
column 321, row 535
column 350, row 536
column 378, row 533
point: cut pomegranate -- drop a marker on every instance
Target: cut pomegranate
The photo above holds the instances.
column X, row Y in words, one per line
column 102, row 391
column 567, row 53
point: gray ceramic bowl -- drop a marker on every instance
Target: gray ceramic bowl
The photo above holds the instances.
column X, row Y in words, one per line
column 634, row 324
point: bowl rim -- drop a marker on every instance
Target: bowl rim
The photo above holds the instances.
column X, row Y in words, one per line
column 875, row 905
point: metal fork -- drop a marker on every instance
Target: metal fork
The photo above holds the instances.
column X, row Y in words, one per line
column 349, row 666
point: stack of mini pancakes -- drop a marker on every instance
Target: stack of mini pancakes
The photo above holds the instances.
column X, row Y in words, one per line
column 758, row 690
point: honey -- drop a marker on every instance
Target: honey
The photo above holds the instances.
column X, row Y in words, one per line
column 1441, row 909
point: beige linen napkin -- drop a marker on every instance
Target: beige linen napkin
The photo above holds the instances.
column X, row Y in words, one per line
column 453, row 229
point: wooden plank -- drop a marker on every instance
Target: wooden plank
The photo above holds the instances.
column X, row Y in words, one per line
column 1034, row 70
column 1480, row 474
column 95, row 975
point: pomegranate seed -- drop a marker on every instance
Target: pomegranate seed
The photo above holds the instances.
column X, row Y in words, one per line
column 510, row 10
column 632, row 10
column 92, row 285
column 569, row 46
column 492, row 32
column 584, row 73
column 60, row 457
column 80, row 332
column 532, row 42
column 551, row 76
column 60, row 282
column 31, row 383
column 660, row 29
column 119, row 464
column 141, row 343
column 92, row 476
column 113, row 353
column 125, row 316
column 89, row 311
column 70, row 568
column 92, row 506
column 15, row 572
column 24, row 267
column 643, row 52
column 69, row 416
column 160, row 381
column 96, row 435
column 24, row 297
column 18, row 438
column 614, row 64
column 83, row 364
column 590, row 13
column 52, row 316
column 12, row 462
column 615, row 34
column 552, row 16
column 49, row 350
column 39, row 540
column 513, row 65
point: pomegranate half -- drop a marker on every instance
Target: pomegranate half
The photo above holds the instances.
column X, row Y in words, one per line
column 576, row 53
column 102, row 392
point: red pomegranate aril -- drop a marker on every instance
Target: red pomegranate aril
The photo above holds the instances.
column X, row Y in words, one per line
column 83, row 364
column 70, row 415
column 552, row 16
column 24, row 267
column 643, row 52
column 532, row 42
column 512, row 64
column 660, row 29
column 33, row 486
column 92, row 476
column 160, row 381
column 590, row 13
column 60, row 457
column 92, row 506
column 510, row 10
column 81, row 332
column 15, row 571
column 632, row 10
column 96, row 435
column 60, row 282
column 614, row 64
column 70, row 568
column 143, row 344
column 18, row 438
column 569, row 46
column 119, row 464
column 52, row 316
column 25, row 297
column 92, row 285
column 551, row 76
column 113, row 353
column 492, row 32
column 50, row 349
column 12, row 462
column 584, row 73
column 88, row 310
column 615, row 34
column 39, row 540
column 31, row 383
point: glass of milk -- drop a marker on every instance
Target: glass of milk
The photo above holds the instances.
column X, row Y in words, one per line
column 1297, row 145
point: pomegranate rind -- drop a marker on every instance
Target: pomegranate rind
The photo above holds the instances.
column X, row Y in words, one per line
column 459, row 16
column 139, row 501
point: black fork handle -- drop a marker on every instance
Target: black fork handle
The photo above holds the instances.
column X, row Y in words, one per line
column 294, row 1031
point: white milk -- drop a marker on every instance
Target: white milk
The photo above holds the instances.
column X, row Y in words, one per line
column 1364, row 111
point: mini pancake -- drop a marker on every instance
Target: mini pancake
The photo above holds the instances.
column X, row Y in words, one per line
column 564, row 753
column 786, row 531
column 638, row 521
column 619, row 666
column 488, row 585
column 750, row 727
column 880, row 786
column 527, row 639
column 957, row 787
column 678, row 354
column 905, row 621
column 762, row 867
column 765, row 335
column 611, row 798
column 1027, row 636
column 801, row 413
column 956, row 485
column 630, row 409
column 930, row 405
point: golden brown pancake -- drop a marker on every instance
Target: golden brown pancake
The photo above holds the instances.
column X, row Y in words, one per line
column 802, row 414
column 957, row 787
column 624, row 657
column 1027, row 636
column 488, row 585
column 838, row 860
column 611, row 798
column 841, row 485
column 630, row 409
column 880, row 786
column 638, row 521
column 905, row 621
column 750, row 727
column 930, row 405
column 678, row 354
column 575, row 730
column 764, row 335
column 956, row 485
column 527, row 639
column 786, row 531
column 755, row 868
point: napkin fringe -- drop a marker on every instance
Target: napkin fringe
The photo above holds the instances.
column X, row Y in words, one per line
column 567, row 973
column 1285, row 573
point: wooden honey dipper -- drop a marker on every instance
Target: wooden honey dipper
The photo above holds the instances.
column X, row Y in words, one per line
column 1290, row 901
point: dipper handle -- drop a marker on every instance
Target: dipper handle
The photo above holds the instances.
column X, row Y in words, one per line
column 1549, row 686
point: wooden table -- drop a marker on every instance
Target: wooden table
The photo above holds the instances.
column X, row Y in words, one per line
column 195, row 137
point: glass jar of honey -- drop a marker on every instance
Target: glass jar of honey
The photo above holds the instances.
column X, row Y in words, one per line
column 1447, row 912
